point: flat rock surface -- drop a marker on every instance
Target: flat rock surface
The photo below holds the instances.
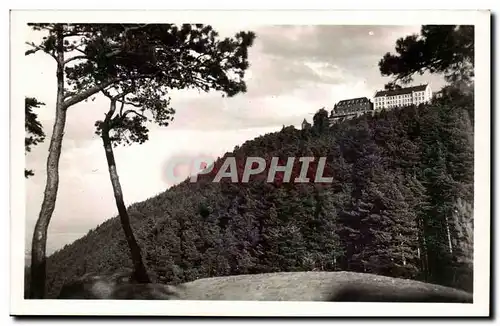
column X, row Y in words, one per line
column 320, row 286
column 291, row 286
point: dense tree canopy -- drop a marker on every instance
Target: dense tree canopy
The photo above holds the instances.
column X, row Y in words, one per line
column 320, row 120
column 185, row 56
column 33, row 127
column 446, row 49
column 194, row 58
column 92, row 58
column 172, row 57
column 400, row 204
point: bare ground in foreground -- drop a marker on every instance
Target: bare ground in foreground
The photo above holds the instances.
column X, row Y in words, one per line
column 287, row 286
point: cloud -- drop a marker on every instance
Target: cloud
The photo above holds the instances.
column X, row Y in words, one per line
column 330, row 43
column 294, row 71
column 352, row 51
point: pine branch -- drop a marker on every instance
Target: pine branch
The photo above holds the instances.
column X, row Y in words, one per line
column 128, row 29
column 130, row 103
column 37, row 48
column 74, row 47
column 78, row 57
column 132, row 111
column 97, row 88
column 70, row 34
column 87, row 93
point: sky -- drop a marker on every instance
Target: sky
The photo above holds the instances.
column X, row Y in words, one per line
column 294, row 71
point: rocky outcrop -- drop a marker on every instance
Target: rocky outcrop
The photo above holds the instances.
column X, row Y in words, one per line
column 291, row 286
column 115, row 286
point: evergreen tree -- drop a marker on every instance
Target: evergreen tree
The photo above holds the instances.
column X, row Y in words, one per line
column 321, row 121
column 33, row 128
column 401, row 194
column 128, row 58
column 447, row 49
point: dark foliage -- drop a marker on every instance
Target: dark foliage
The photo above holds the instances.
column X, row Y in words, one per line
column 32, row 127
column 126, row 57
column 446, row 49
column 195, row 58
column 400, row 204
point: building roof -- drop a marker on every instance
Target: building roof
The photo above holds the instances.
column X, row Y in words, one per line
column 400, row 91
column 354, row 101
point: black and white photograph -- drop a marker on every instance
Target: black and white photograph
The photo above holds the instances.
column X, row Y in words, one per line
column 246, row 163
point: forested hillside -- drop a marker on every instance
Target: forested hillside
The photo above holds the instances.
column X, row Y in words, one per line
column 400, row 205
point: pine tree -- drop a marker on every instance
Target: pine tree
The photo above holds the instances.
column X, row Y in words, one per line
column 128, row 58
column 33, row 128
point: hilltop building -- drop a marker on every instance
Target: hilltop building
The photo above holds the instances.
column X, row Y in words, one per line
column 351, row 108
column 386, row 99
column 414, row 95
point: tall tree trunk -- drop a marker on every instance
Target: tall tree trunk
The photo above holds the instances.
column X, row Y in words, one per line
column 140, row 272
column 448, row 233
column 39, row 241
column 403, row 258
column 422, row 248
column 425, row 258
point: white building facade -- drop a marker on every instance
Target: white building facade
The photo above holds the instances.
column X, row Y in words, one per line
column 414, row 95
